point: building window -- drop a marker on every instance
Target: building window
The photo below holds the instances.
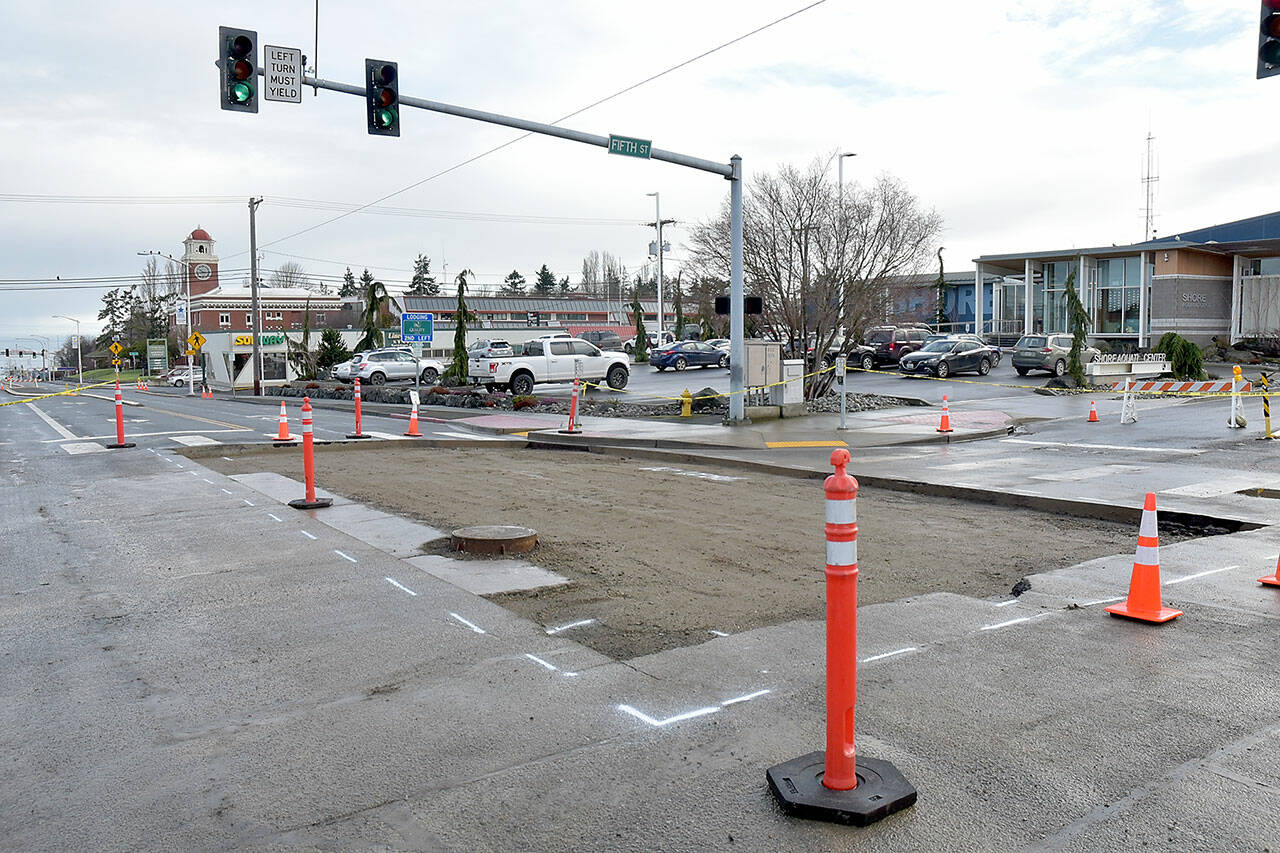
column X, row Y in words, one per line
column 571, row 318
column 248, row 321
column 276, row 316
column 1264, row 266
column 1119, row 286
column 224, row 319
column 320, row 319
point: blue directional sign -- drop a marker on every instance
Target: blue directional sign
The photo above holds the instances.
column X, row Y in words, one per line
column 417, row 327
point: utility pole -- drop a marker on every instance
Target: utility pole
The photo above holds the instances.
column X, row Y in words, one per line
column 256, row 326
column 804, row 293
column 658, row 223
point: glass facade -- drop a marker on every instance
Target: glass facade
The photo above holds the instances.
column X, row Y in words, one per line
column 1118, row 295
column 1112, row 299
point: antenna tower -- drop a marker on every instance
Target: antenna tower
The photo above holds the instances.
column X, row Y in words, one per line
column 1149, row 180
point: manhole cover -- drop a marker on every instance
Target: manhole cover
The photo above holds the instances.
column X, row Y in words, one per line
column 494, row 539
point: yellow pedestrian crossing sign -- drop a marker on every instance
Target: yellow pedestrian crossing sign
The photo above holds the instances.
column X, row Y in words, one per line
column 116, row 349
column 196, row 340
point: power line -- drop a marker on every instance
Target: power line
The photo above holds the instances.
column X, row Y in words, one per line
column 566, row 117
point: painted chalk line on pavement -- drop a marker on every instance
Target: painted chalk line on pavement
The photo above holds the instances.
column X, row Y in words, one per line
column 345, row 556
column 577, row 624
column 397, row 583
column 308, row 535
column 689, row 715
column 550, row 666
column 473, row 626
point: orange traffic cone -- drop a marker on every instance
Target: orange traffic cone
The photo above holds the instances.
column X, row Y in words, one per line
column 945, row 425
column 413, row 423
column 1144, row 602
column 284, row 425
column 1093, row 413
column 1272, row 579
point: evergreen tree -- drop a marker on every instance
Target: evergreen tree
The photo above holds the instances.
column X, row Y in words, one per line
column 115, row 312
column 377, row 312
column 941, row 285
column 564, row 286
column 679, row 308
column 1078, row 323
column 348, row 284
column 332, row 350
column 423, row 282
column 457, row 370
column 545, row 285
column 642, row 337
column 366, row 279
column 513, row 284
column 300, row 354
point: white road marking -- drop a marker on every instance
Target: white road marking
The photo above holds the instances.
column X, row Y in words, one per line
column 1200, row 575
column 1214, row 488
column 386, row 436
column 890, row 654
column 79, row 447
column 276, row 517
column 735, row 700
column 473, row 626
column 1018, row 621
column 139, row 434
column 345, row 556
column 1104, row 601
column 249, row 502
column 396, row 583
column 57, row 427
column 542, row 662
column 308, row 535
column 470, row 436
column 226, row 458
column 577, row 624
column 228, row 491
column 1006, row 603
column 715, row 478
column 196, row 441
column 203, row 480
column 717, row 633
column 1101, row 446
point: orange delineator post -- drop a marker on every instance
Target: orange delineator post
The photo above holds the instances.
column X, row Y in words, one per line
column 1272, row 579
column 1143, row 603
column 573, row 428
column 842, row 624
column 359, row 433
column 283, row 433
column 1093, row 412
column 945, row 424
column 413, row 423
column 120, row 442
column 309, row 465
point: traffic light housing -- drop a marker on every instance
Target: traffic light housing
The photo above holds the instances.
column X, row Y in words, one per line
column 238, row 69
column 382, row 97
column 750, row 304
column 1269, row 39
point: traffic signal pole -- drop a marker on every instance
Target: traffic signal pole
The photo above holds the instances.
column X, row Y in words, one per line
column 731, row 171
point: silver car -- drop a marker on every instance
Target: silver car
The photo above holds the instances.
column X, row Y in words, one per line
column 1047, row 352
column 391, row 365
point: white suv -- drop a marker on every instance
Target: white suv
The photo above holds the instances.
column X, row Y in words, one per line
column 389, row 365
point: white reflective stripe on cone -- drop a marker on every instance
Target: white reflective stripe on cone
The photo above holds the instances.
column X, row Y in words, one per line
column 1148, row 525
column 842, row 512
column 1147, row 556
column 842, row 553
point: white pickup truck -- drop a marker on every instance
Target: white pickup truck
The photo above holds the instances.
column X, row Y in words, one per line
column 551, row 360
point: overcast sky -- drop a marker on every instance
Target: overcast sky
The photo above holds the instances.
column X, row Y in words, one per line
column 1023, row 123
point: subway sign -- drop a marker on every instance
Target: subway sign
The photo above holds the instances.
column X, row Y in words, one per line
column 263, row 340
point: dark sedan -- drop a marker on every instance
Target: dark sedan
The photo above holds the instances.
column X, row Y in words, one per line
column 689, row 354
column 945, row 357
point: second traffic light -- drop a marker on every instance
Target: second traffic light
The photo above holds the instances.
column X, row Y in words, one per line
column 1269, row 39
column 382, row 97
column 238, row 69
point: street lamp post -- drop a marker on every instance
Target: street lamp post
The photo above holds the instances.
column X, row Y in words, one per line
column 657, row 218
column 79, row 361
column 186, row 281
column 44, row 347
column 840, row 172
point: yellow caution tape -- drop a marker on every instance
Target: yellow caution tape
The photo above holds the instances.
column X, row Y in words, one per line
column 71, row 392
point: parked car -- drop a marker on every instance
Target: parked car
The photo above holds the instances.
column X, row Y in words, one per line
column 377, row 367
column 720, row 343
column 654, row 342
column 1047, row 352
column 890, row 343
column 342, row 370
column 178, row 376
column 552, row 360
column 684, row 354
column 944, row 357
column 605, row 339
column 996, row 352
column 489, row 348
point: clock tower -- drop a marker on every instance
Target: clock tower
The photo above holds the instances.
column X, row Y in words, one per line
column 200, row 261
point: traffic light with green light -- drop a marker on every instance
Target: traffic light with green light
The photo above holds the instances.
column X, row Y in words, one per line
column 238, row 69
column 1269, row 39
column 382, row 97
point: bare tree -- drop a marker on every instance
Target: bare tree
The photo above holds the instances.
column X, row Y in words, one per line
column 820, row 266
column 289, row 274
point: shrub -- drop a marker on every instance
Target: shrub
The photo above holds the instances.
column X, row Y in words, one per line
column 1185, row 358
column 524, row 402
column 438, row 389
column 313, row 385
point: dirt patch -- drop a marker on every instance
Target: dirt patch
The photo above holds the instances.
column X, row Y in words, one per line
column 661, row 556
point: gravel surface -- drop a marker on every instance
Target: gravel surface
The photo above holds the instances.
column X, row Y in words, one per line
column 661, row 556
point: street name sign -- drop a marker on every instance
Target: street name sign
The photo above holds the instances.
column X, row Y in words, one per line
column 282, row 68
column 629, row 146
column 417, row 327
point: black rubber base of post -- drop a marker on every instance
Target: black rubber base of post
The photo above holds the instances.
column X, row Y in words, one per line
column 120, row 446
column 318, row 503
column 569, row 431
column 358, row 435
column 882, row 790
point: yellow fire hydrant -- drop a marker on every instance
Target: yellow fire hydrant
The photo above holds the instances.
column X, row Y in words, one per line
column 686, row 404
